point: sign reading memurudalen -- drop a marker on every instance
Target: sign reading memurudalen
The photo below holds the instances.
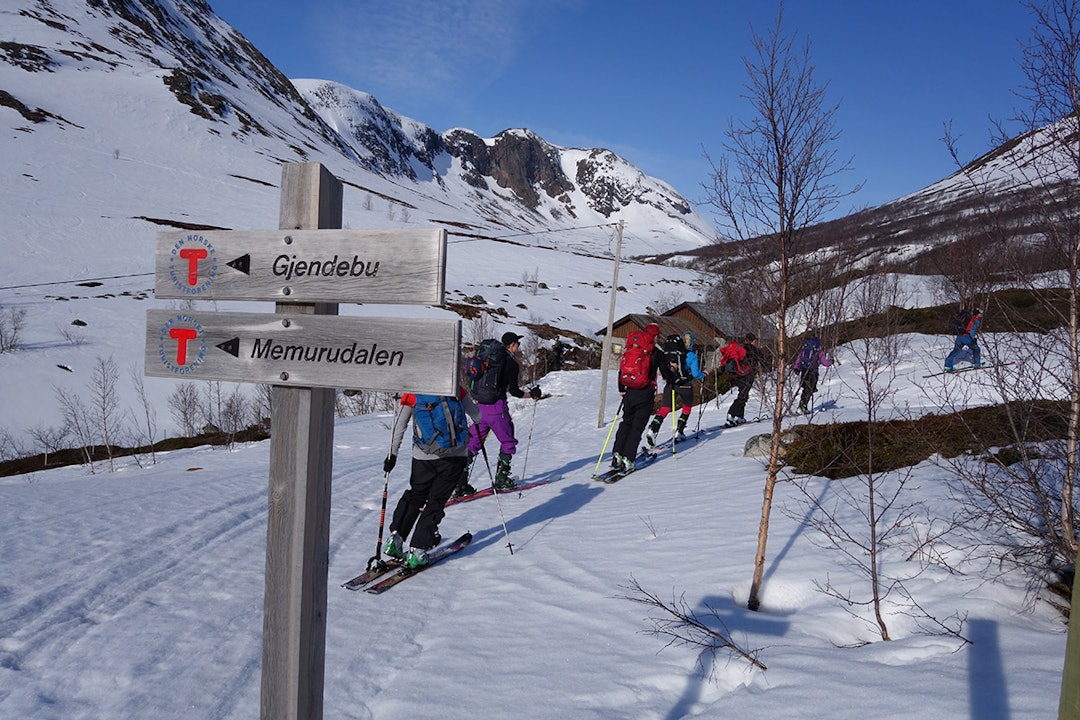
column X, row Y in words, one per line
column 395, row 354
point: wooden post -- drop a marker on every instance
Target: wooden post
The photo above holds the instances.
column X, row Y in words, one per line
column 605, row 352
column 301, row 464
column 1069, row 701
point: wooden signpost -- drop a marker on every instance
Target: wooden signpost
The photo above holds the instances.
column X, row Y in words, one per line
column 304, row 350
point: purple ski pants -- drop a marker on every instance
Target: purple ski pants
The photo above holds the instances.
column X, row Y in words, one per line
column 493, row 418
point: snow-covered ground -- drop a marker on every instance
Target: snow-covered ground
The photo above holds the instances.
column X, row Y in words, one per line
column 138, row 593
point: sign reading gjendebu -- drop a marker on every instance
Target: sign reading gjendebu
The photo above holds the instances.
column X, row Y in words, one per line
column 392, row 354
column 363, row 266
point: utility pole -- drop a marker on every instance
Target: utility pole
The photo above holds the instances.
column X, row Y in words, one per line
column 605, row 353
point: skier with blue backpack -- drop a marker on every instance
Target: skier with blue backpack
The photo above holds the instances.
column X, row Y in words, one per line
column 439, row 456
column 810, row 358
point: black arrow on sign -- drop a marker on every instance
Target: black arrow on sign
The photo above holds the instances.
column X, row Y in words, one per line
column 242, row 263
column 231, row 346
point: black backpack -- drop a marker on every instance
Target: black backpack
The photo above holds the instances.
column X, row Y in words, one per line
column 960, row 322
column 485, row 387
column 674, row 367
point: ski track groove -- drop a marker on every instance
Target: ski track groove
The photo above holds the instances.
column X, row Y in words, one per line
column 68, row 611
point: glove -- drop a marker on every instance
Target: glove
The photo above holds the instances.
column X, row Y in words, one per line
column 535, row 392
column 389, row 462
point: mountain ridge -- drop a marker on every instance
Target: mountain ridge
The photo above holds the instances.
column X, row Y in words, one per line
column 515, row 181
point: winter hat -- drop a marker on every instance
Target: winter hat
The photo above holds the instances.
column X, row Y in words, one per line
column 976, row 311
column 652, row 329
column 750, row 337
column 510, row 338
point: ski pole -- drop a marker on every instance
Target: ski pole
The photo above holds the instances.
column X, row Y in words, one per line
column 674, row 423
column 701, row 411
column 496, row 493
column 376, row 560
column 608, row 439
column 528, row 443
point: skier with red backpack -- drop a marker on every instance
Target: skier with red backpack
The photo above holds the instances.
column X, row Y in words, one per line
column 637, row 385
column 740, row 359
column 679, row 369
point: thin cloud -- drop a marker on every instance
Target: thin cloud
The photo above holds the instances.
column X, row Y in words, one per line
column 399, row 49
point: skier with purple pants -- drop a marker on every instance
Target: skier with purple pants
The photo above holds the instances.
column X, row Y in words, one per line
column 489, row 392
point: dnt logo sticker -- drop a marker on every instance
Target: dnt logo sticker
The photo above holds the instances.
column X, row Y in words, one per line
column 182, row 344
column 193, row 264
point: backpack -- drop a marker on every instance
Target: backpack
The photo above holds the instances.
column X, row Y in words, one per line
column 635, row 362
column 733, row 356
column 810, row 355
column 674, row 367
column 960, row 322
column 484, row 371
column 439, row 424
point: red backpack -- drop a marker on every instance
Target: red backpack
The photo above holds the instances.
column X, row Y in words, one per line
column 634, row 363
column 733, row 356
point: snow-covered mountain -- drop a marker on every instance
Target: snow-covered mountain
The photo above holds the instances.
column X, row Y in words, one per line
column 168, row 83
column 122, row 118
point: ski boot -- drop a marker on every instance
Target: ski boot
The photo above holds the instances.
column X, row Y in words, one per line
column 464, row 488
column 680, row 428
column 394, row 546
column 417, row 557
column 503, row 481
column 650, row 432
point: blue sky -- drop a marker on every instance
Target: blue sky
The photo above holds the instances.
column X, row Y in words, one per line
column 658, row 82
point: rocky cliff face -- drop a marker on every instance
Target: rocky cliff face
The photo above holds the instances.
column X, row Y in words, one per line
column 515, row 179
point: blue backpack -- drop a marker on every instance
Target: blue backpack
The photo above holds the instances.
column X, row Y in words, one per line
column 439, row 424
column 809, row 356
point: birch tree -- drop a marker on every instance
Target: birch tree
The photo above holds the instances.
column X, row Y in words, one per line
column 776, row 176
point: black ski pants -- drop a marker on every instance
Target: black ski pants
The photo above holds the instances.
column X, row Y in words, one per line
column 808, row 384
column 744, row 383
column 637, row 407
column 431, row 484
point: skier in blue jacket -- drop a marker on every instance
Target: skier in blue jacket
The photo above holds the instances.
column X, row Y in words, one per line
column 967, row 339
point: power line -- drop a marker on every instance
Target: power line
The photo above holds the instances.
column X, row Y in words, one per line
column 464, row 235
column 77, row 282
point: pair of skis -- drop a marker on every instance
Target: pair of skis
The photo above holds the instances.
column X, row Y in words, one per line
column 388, row 573
column 969, row 369
column 491, row 491
column 614, row 475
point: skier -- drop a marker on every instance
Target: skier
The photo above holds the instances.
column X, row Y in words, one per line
column 811, row 356
column 741, row 358
column 440, row 436
column 679, row 369
column 489, row 393
column 638, row 396
column 966, row 337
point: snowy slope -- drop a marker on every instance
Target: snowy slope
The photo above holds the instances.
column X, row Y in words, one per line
column 139, row 593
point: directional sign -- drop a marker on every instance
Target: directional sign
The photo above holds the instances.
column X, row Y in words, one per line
column 360, row 266
column 393, row 354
